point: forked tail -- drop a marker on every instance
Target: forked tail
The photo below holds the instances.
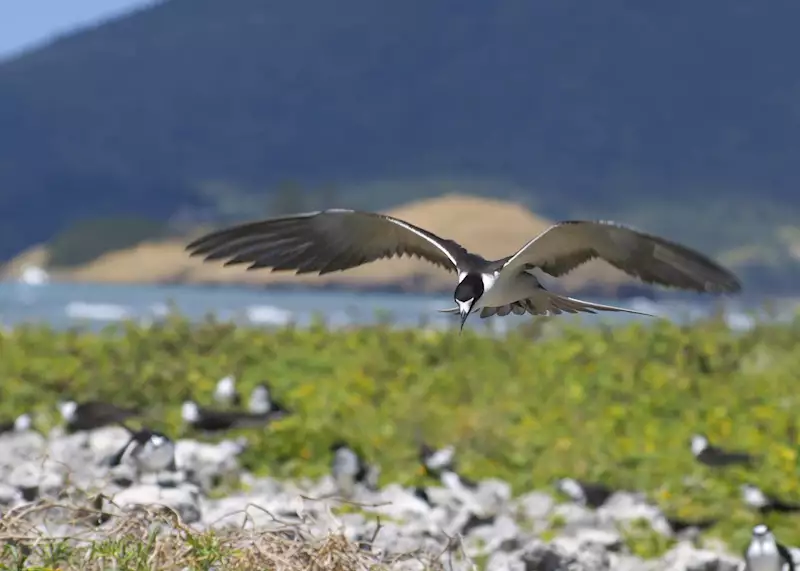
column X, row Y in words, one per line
column 544, row 302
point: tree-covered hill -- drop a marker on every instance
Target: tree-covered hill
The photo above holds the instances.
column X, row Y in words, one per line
column 642, row 111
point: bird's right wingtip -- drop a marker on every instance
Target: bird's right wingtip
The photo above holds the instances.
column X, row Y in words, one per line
column 192, row 246
column 730, row 286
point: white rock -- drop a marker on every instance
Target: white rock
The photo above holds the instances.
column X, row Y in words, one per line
column 164, row 479
column 242, row 512
column 502, row 561
column 123, row 475
column 262, row 486
column 398, row 503
column 184, row 500
column 107, row 440
column 493, row 496
column 354, row 527
column 9, row 495
column 218, row 458
column 74, row 452
column 47, row 476
column 574, row 515
column 684, row 557
column 393, row 539
column 408, row 565
column 17, row 447
column 502, row 534
column 628, row 507
column 440, row 496
column 539, row 556
column 607, row 539
column 534, row 506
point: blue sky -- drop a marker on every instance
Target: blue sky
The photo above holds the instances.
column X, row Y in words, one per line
column 27, row 23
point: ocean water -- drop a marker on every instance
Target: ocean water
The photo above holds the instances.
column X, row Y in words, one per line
column 63, row 305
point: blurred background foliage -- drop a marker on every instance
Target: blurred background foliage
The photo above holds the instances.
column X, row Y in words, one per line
column 616, row 405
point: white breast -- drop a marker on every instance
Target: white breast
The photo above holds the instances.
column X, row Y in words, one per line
column 763, row 557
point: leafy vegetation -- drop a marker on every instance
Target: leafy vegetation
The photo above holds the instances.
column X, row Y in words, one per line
column 616, row 405
column 595, row 105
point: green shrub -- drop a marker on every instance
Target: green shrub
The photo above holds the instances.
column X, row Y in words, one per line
column 617, row 405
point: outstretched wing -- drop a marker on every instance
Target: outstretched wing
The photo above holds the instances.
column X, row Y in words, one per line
column 325, row 241
column 567, row 245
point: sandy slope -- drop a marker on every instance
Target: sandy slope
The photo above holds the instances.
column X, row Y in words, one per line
column 493, row 228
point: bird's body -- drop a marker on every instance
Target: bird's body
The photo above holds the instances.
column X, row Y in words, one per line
column 20, row 424
column 209, row 420
column 688, row 529
column 435, row 461
column 589, row 494
column 457, row 483
column 261, row 401
column 715, row 456
column 225, row 393
column 90, row 415
column 348, row 468
column 150, row 451
column 766, row 503
column 764, row 553
column 339, row 239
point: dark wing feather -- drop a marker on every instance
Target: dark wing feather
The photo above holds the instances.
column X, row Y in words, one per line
column 566, row 245
column 786, row 555
column 116, row 459
column 325, row 241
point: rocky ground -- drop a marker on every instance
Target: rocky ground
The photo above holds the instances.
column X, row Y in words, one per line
column 486, row 529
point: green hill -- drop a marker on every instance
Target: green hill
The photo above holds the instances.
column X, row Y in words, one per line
column 642, row 112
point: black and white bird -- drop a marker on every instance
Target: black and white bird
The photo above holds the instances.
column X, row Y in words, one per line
column 339, row 239
column 422, row 494
column 150, row 451
column 348, row 468
column 209, row 420
column 456, row 483
column 588, row 494
column 93, row 414
column 710, row 455
column 766, row 503
column 261, row 401
column 688, row 528
column 764, row 553
column 436, row 461
column 225, row 393
column 20, row 424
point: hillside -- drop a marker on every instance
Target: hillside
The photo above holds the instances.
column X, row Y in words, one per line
column 681, row 115
column 491, row 227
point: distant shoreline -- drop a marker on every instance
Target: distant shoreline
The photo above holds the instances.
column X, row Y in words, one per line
column 493, row 227
column 626, row 292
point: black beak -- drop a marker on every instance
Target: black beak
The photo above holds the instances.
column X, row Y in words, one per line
column 464, row 315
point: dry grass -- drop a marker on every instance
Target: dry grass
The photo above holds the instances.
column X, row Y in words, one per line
column 155, row 538
column 492, row 227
